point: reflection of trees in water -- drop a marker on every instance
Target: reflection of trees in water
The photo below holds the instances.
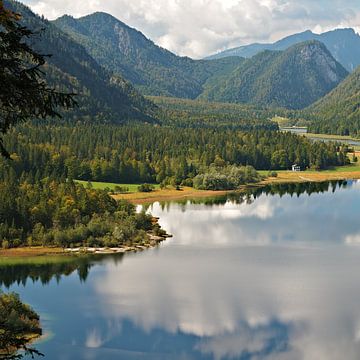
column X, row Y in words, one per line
column 47, row 269
column 249, row 195
column 300, row 188
column 292, row 189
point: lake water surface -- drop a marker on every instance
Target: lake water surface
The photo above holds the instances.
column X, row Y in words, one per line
column 270, row 275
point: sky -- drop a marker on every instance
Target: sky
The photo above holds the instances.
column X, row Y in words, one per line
column 198, row 28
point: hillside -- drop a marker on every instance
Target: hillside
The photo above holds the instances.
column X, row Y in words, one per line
column 344, row 45
column 152, row 69
column 292, row 79
column 339, row 111
column 101, row 95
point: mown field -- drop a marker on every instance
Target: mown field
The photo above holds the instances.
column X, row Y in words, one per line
column 103, row 185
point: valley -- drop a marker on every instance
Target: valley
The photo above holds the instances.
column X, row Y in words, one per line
column 110, row 140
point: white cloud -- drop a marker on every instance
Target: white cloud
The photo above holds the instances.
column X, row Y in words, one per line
column 199, row 27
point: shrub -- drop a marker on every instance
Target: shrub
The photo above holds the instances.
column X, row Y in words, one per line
column 273, row 174
column 146, row 188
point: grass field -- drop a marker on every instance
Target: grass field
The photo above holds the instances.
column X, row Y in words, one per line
column 103, row 185
column 342, row 169
column 339, row 169
column 168, row 194
column 330, row 137
column 284, row 176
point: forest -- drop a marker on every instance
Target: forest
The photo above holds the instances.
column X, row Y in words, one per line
column 65, row 214
column 155, row 154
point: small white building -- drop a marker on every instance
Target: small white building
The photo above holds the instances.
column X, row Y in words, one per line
column 296, row 168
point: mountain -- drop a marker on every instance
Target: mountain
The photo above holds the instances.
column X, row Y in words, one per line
column 339, row 111
column 294, row 78
column 152, row 69
column 101, row 95
column 344, row 45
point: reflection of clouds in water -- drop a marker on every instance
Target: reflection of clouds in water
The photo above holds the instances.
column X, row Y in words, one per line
column 352, row 239
column 256, row 342
column 209, row 293
column 94, row 339
column 205, row 226
column 212, row 291
column 269, row 219
column 97, row 337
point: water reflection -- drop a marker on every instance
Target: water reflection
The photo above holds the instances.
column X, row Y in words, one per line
column 44, row 269
column 265, row 275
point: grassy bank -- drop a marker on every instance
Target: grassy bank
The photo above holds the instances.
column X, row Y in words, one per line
column 167, row 194
column 284, row 176
column 30, row 252
column 103, row 185
column 330, row 137
column 171, row 194
column 337, row 173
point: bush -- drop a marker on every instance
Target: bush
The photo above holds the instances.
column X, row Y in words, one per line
column 273, row 174
column 120, row 189
column 187, row 182
column 5, row 244
column 146, row 188
column 227, row 178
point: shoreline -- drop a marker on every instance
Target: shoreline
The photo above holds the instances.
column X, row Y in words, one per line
column 138, row 198
column 284, row 177
column 42, row 251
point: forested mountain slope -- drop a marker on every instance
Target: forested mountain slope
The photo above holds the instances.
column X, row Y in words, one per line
column 292, row 79
column 339, row 111
column 344, row 45
column 152, row 69
column 101, row 95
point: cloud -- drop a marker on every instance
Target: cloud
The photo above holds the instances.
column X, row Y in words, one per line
column 197, row 28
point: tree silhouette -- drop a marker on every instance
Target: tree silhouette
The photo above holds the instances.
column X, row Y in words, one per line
column 24, row 94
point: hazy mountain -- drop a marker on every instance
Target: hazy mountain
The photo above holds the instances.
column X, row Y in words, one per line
column 344, row 45
column 294, row 78
column 152, row 69
column 339, row 111
column 101, row 95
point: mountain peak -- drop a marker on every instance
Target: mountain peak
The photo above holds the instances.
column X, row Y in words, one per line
column 343, row 44
column 311, row 72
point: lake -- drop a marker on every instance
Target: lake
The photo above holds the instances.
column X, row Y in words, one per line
column 272, row 274
column 303, row 131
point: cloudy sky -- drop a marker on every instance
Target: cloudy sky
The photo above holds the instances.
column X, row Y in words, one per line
column 198, row 28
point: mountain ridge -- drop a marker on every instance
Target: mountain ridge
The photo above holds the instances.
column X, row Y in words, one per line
column 294, row 78
column 344, row 45
column 339, row 111
column 151, row 68
column 71, row 68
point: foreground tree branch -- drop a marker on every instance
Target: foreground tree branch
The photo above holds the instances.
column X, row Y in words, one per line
column 24, row 94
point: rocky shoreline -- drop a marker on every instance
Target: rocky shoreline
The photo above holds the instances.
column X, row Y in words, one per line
column 154, row 240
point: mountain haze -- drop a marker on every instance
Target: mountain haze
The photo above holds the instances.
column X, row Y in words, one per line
column 152, row 69
column 100, row 94
column 344, row 45
column 293, row 79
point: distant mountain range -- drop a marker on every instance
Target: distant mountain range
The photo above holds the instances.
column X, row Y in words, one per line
column 293, row 78
column 344, row 45
column 273, row 79
column 152, row 69
column 102, row 95
column 112, row 66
